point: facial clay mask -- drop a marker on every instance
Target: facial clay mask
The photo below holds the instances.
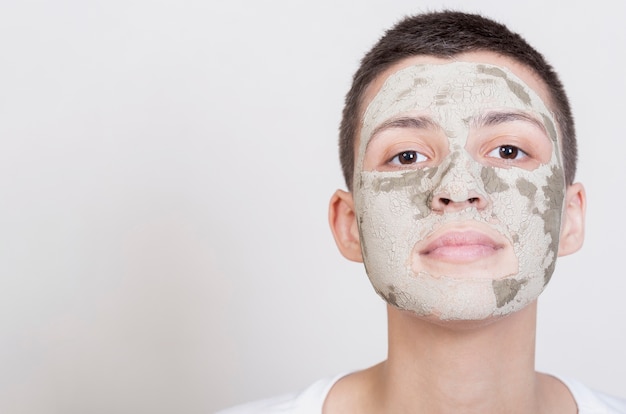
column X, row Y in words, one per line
column 471, row 229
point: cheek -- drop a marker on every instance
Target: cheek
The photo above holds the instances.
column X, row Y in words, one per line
column 513, row 211
column 531, row 210
column 390, row 195
column 390, row 208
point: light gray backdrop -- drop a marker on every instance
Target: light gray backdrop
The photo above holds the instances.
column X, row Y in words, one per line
column 165, row 169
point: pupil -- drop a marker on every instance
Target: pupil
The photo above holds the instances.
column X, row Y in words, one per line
column 407, row 157
column 508, row 152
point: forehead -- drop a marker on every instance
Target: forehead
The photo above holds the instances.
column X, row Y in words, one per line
column 528, row 76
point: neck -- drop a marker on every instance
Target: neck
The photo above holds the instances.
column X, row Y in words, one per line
column 438, row 368
column 441, row 368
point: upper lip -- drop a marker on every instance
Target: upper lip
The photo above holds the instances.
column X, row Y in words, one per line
column 460, row 238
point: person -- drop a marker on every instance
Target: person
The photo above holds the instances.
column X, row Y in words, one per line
column 458, row 148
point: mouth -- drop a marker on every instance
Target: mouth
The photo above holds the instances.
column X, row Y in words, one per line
column 461, row 247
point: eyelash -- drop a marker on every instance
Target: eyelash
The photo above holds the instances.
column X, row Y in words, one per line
column 413, row 155
column 504, row 151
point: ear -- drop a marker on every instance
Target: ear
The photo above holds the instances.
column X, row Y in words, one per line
column 573, row 227
column 343, row 224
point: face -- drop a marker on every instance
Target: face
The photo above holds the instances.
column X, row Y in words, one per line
column 459, row 188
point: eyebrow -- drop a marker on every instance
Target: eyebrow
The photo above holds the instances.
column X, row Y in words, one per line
column 417, row 122
column 490, row 118
column 496, row 118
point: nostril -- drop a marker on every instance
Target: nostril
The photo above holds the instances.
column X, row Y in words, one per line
column 446, row 202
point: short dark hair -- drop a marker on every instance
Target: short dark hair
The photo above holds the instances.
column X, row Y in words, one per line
column 447, row 34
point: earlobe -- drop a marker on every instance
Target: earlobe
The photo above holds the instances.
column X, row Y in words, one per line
column 573, row 228
column 342, row 220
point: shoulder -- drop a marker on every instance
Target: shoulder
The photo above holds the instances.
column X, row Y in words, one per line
column 594, row 402
column 309, row 401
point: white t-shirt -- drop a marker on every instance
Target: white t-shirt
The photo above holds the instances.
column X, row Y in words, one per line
column 311, row 400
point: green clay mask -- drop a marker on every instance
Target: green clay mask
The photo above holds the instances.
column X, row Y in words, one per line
column 459, row 191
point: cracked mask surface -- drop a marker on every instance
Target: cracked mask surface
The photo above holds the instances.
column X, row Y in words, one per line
column 518, row 209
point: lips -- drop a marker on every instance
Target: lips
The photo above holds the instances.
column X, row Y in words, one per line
column 461, row 246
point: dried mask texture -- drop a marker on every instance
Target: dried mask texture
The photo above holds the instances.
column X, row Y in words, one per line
column 395, row 208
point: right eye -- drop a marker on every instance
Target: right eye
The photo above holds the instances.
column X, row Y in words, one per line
column 407, row 158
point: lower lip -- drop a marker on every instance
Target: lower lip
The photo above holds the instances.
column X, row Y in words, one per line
column 461, row 253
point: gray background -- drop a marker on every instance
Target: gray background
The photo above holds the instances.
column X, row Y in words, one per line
column 165, row 170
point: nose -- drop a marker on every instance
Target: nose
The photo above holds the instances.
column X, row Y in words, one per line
column 460, row 186
column 445, row 202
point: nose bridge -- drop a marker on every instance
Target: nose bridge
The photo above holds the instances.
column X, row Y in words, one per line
column 460, row 179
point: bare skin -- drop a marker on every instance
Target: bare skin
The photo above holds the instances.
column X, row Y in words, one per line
column 454, row 369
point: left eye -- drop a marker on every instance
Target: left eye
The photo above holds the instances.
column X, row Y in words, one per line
column 507, row 152
column 408, row 157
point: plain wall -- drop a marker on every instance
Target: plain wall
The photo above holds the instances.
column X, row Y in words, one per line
column 165, row 171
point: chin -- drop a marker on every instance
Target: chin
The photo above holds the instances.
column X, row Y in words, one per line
column 461, row 322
